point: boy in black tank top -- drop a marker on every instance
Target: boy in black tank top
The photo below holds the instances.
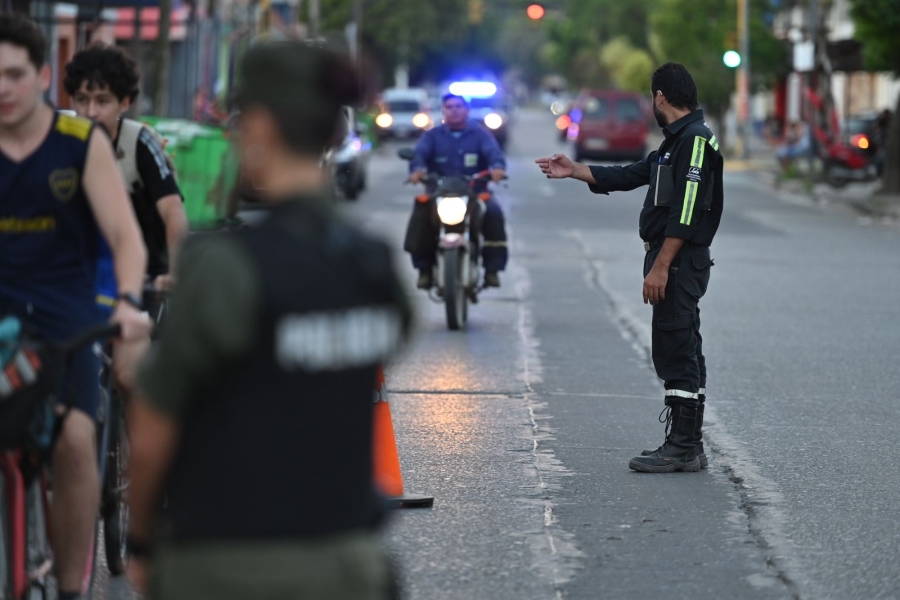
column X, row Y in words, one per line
column 58, row 186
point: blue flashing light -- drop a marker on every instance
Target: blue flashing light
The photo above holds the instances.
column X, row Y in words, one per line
column 473, row 89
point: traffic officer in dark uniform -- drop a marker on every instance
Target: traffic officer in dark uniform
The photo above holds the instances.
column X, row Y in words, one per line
column 255, row 413
column 680, row 217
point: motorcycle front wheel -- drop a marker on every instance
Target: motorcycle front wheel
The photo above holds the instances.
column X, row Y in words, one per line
column 831, row 175
column 455, row 299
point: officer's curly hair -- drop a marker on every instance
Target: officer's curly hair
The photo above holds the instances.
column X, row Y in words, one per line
column 21, row 31
column 100, row 66
column 676, row 84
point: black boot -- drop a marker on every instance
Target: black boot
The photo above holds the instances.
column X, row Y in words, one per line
column 426, row 279
column 664, row 417
column 491, row 279
column 698, row 434
column 677, row 453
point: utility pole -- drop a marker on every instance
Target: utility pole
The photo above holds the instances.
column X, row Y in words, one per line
column 743, row 78
column 315, row 11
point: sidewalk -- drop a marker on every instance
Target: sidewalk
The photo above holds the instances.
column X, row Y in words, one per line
column 861, row 197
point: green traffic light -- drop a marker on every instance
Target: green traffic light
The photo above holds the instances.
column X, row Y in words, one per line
column 732, row 59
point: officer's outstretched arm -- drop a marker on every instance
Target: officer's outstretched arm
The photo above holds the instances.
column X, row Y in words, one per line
column 692, row 177
column 620, row 179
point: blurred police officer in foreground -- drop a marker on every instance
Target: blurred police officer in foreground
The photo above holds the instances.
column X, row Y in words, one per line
column 256, row 407
column 680, row 217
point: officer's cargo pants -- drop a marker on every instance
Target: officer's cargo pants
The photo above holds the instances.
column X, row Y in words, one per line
column 677, row 343
column 422, row 236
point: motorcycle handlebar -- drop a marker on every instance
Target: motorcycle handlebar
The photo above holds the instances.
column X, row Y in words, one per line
column 429, row 178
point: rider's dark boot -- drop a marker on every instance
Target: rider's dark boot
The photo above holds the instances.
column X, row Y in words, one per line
column 677, row 452
column 491, row 279
column 426, row 279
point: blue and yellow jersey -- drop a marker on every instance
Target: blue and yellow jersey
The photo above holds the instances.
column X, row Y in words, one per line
column 48, row 235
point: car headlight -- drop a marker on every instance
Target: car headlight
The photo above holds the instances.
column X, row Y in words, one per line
column 421, row 120
column 451, row 210
column 384, row 120
column 493, row 121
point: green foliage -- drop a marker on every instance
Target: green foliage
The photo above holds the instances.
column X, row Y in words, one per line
column 698, row 32
column 629, row 67
column 398, row 29
column 877, row 25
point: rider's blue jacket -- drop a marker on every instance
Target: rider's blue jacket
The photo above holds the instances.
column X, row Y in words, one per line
column 463, row 152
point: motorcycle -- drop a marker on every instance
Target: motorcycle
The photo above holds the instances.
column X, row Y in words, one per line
column 459, row 212
column 843, row 163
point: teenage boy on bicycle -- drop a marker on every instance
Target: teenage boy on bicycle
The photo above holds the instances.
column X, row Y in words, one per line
column 103, row 83
column 59, row 190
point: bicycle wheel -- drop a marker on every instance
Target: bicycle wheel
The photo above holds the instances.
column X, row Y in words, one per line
column 115, row 514
column 39, row 556
column 5, row 581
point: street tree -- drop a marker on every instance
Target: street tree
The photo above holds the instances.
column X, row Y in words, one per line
column 401, row 31
column 629, row 67
column 697, row 32
column 877, row 24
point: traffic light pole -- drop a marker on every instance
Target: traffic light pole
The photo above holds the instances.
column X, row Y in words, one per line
column 743, row 79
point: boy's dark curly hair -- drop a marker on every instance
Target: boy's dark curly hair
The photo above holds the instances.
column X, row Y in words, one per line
column 101, row 65
column 21, row 31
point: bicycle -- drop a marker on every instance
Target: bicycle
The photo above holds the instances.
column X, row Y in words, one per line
column 33, row 375
column 112, row 438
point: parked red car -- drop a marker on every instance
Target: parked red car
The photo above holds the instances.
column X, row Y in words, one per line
column 609, row 125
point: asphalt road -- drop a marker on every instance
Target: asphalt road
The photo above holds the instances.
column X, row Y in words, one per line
column 523, row 425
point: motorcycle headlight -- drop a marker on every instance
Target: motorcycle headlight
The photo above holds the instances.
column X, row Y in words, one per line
column 451, row 210
column 493, row 120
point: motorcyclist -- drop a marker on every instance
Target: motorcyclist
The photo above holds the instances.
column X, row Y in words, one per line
column 458, row 147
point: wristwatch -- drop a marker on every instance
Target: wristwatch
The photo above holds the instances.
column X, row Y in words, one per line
column 131, row 299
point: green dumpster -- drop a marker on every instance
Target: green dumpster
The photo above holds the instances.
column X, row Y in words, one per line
column 205, row 165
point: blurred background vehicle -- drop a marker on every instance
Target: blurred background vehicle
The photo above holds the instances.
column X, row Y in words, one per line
column 404, row 114
column 351, row 158
column 609, row 125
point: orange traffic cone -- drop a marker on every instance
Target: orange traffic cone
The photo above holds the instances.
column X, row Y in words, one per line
column 387, row 461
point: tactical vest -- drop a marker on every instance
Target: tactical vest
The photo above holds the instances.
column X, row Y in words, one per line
column 281, row 445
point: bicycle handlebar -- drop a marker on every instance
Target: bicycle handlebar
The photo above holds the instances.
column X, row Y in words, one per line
column 90, row 335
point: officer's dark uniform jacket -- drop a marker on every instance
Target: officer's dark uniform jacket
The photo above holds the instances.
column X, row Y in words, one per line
column 684, row 200
column 685, row 196
column 277, row 443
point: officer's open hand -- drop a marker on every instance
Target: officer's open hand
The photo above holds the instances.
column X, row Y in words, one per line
column 655, row 285
column 558, row 166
